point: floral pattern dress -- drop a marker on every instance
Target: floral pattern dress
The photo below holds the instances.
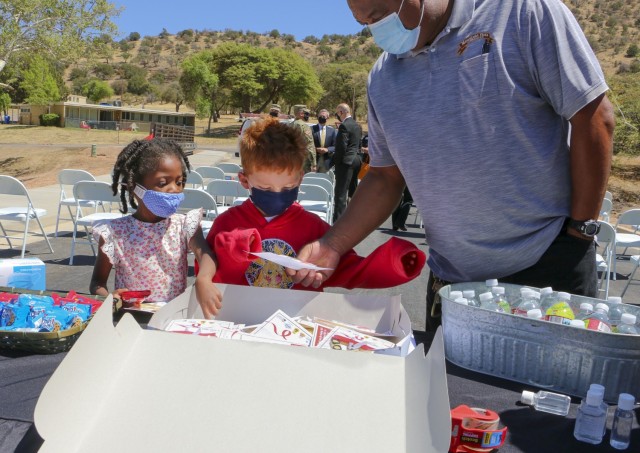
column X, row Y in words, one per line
column 150, row 256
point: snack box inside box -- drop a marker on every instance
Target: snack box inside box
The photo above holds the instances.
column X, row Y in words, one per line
column 122, row 388
column 539, row 353
column 27, row 273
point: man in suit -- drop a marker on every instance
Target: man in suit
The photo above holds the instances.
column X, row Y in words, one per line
column 324, row 138
column 345, row 157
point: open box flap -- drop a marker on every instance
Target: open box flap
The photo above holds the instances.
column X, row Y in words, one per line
column 125, row 389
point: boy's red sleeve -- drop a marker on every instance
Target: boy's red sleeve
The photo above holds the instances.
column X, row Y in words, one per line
column 231, row 249
column 395, row 262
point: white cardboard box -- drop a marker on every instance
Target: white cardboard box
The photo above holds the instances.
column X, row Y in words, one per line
column 26, row 273
column 127, row 389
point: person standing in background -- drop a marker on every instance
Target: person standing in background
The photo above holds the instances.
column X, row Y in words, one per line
column 324, row 139
column 345, row 158
column 302, row 113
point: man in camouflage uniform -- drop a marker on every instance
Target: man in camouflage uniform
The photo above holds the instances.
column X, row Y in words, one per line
column 301, row 113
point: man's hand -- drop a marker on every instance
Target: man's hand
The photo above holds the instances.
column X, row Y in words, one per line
column 317, row 253
column 209, row 297
column 322, row 150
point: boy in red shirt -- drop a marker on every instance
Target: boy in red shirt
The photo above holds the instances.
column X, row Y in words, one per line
column 271, row 220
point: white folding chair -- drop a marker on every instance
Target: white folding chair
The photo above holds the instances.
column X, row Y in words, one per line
column 96, row 191
column 605, row 209
column 608, row 195
column 322, row 182
column 630, row 219
column 604, row 260
column 635, row 259
column 230, row 169
column 195, row 199
column 316, row 199
column 328, row 176
column 195, row 179
column 25, row 212
column 66, row 179
column 228, row 190
column 209, row 173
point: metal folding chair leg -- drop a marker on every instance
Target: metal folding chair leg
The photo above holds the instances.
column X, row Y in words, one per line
column 636, row 261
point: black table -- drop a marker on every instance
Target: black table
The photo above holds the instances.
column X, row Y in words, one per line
column 23, row 376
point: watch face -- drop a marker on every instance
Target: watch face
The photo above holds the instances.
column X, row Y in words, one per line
column 591, row 229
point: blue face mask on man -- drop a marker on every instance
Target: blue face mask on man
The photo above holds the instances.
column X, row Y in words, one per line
column 161, row 204
column 273, row 203
column 392, row 36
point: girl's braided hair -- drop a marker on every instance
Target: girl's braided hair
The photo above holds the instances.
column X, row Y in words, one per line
column 138, row 159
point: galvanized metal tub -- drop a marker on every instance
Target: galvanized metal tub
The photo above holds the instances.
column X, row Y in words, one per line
column 539, row 353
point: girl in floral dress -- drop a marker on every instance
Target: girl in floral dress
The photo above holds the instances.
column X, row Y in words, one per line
column 149, row 247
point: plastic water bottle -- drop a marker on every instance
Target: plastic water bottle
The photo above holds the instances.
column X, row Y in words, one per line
column 628, row 325
column 547, row 298
column 591, row 419
column 453, row 295
column 462, row 300
column 577, row 323
column 470, row 295
column 560, row 312
column 622, row 422
column 553, row 403
column 598, row 320
column 487, row 302
column 615, row 311
column 585, row 310
column 500, row 299
column 534, row 313
column 491, row 283
column 530, row 301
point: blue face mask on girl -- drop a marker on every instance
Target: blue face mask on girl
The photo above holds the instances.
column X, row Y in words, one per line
column 391, row 35
column 161, row 204
column 273, row 203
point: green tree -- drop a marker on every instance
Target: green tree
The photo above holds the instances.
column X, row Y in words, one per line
column 5, row 103
column 174, row 94
column 200, row 86
column 60, row 29
column 96, row 90
column 39, row 82
column 345, row 82
column 633, row 51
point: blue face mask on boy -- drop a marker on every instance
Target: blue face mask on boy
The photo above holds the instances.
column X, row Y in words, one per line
column 273, row 203
column 392, row 36
column 161, row 204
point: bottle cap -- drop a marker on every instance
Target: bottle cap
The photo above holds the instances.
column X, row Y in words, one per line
column 564, row 296
column 534, row 313
column 492, row 282
column 586, row 306
column 594, row 397
column 527, row 397
column 602, row 306
column 453, row 295
column 469, row 293
column 462, row 300
column 524, row 290
column 577, row 323
column 546, row 290
column 485, row 296
column 628, row 318
column 614, row 299
column 626, row 402
column 597, row 388
column 535, row 294
column 498, row 290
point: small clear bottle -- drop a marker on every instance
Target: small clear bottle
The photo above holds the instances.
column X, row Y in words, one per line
column 530, row 300
column 599, row 389
column 453, row 295
column 585, row 310
column 534, row 313
column 490, row 283
column 470, row 295
column 598, row 320
column 553, row 403
column 500, row 298
column 487, row 302
column 462, row 300
column 628, row 325
column 547, row 298
column 615, row 311
column 622, row 422
column 591, row 419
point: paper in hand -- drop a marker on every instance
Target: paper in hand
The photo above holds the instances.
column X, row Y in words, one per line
column 288, row 262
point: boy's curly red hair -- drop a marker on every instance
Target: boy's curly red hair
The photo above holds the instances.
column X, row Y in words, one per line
column 269, row 144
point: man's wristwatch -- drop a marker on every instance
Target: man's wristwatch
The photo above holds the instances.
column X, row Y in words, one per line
column 587, row 228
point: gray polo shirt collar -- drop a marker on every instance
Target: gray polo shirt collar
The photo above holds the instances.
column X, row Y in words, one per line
column 460, row 14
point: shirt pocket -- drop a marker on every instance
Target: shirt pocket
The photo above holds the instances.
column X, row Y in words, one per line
column 477, row 78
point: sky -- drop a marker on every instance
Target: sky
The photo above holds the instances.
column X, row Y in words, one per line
column 301, row 18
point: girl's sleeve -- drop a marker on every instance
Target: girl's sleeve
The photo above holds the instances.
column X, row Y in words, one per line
column 105, row 232
column 393, row 263
column 191, row 223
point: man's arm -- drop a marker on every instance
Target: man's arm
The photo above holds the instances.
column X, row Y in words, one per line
column 591, row 150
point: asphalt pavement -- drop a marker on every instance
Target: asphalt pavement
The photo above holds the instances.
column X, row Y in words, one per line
column 63, row 277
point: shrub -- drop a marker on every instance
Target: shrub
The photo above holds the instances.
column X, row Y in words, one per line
column 49, row 119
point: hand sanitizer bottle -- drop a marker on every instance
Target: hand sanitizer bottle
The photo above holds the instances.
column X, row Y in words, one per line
column 622, row 422
column 591, row 419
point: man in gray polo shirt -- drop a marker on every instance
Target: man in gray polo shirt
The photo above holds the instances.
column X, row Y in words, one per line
column 495, row 116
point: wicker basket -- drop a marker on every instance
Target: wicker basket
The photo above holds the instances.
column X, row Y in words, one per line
column 40, row 342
